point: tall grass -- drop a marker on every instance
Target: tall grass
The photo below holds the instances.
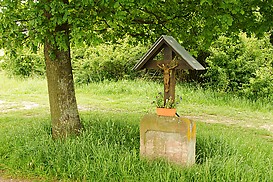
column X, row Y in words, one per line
column 108, row 149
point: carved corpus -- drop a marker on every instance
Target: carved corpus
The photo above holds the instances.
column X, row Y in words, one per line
column 168, row 69
column 174, row 57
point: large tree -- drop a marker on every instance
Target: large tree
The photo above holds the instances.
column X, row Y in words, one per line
column 50, row 24
column 54, row 24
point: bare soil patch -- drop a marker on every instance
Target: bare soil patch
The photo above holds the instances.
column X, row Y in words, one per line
column 6, row 106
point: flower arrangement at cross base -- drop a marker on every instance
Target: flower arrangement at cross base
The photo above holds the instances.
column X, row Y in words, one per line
column 167, row 107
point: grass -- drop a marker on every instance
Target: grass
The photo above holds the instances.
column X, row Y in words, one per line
column 108, row 147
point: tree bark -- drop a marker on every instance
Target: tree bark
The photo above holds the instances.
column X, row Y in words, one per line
column 63, row 106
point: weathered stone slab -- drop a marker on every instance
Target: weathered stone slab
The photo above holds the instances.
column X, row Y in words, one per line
column 171, row 138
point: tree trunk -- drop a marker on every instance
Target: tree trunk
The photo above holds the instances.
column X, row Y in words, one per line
column 63, row 106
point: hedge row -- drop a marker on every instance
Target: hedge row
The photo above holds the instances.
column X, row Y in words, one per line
column 240, row 65
column 90, row 64
column 22, row 62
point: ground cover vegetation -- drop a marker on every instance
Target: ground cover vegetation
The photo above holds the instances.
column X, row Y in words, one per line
column 108, row 146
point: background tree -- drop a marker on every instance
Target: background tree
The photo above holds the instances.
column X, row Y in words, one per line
column 55, row 24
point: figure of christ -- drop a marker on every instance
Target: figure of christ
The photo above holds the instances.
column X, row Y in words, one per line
column 167, row 71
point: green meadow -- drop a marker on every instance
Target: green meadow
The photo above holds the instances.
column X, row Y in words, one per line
column 234, row 135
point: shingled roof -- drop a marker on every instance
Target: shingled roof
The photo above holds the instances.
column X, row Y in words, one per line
column 187, row 61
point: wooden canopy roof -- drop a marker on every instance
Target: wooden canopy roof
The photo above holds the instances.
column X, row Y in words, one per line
column 186, row 61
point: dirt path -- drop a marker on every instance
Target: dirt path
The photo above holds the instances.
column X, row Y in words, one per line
column 228, row 121
column 12, row 180
column 4, row 178
column 6, row 106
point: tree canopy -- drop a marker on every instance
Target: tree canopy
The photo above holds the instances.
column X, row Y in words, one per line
column 196, row 23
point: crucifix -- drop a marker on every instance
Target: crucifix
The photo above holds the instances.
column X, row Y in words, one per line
column 168, row 65
column 167, row 72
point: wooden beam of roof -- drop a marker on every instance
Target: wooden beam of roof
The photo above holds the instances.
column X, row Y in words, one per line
column 187, row 60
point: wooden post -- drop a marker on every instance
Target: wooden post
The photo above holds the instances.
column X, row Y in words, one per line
column 172, row 84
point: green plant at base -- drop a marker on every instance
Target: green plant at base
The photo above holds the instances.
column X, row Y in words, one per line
column 159, row 101
column 168, row 103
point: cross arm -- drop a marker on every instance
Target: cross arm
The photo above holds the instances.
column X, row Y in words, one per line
column 153, row 65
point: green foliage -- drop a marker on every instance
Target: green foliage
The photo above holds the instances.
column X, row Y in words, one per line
column 261, row 85
column 106, row 61
column 22, row 62
column 242, row 65
column 33, row 22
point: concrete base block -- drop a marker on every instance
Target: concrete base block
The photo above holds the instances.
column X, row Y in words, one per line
column 171, row 138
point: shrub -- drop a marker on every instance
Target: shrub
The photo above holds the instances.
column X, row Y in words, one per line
column 22, row 62
column 242, row 65
column 261, row 85
column 106, row 61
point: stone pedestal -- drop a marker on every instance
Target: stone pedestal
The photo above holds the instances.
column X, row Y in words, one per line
column 171, row 138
